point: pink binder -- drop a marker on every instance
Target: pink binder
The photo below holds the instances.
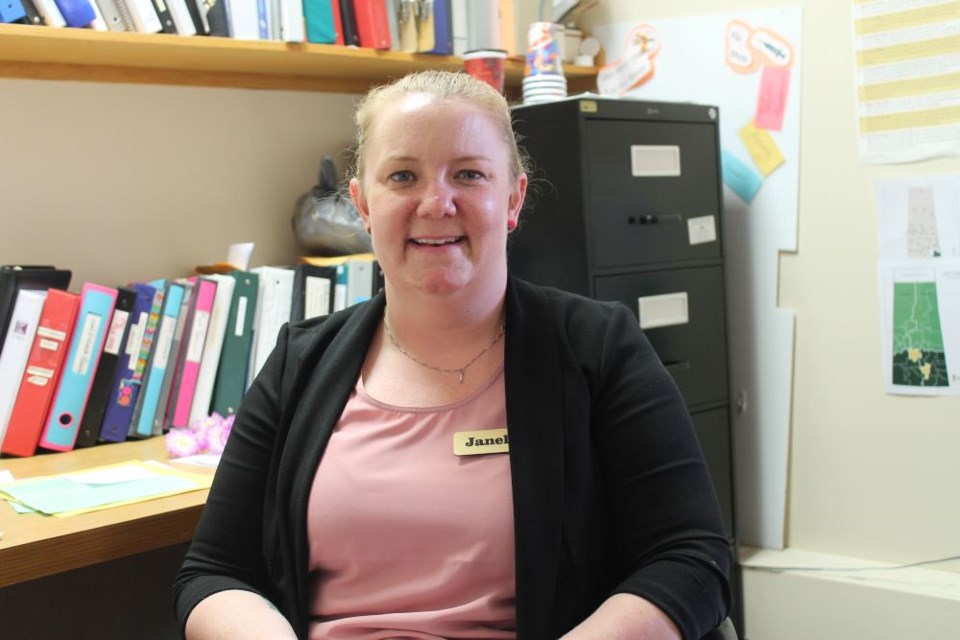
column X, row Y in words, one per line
column 193, row 352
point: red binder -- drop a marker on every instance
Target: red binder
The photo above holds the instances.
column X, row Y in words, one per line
column 44, row 365
column 337, row 22
column 372, row 23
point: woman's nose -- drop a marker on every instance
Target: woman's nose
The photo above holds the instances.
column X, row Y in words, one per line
column 437, row 199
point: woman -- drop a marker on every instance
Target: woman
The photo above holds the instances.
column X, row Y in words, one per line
column 466, row 455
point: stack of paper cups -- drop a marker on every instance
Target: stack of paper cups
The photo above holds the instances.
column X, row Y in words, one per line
column 543, row 79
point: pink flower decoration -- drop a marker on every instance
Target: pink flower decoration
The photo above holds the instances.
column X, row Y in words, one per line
column 206, row 435
column 181, row 442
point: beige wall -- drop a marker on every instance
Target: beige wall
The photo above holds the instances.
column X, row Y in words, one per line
column 133, row 182
column 871, row 475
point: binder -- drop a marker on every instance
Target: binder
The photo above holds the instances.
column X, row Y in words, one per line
column 50, row 12
column 425, row 28
column 212, row 348
column 115, row 15
column 484, row 23
column 359, row 280
column 230, row 383
column 459, row 19
column 273, row 310
column 348, row 22
column 143, row 16
column 312, row 291
column 33, row 16
column 244, row 18
column 43, row 369
column 373, row 28
column 291, row 21
column 407, row 24
column 192, row 352
column 13, row 278
column 337, row 22
column 76, row 13
column 164, row 414
column 18, row 341
column 12, row 11
column 89, row 433
column 318, row 21
column 393, row 15
column 442, row 20
column 216, row 14
column 182, row 17
column 141, row 424
column 86, row 344
column 128, row 374
column 163, row 14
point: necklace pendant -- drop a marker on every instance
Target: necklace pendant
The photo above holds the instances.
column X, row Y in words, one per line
column 459, row 376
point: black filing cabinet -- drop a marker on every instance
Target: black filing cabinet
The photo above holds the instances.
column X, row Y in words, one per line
column 625, row 205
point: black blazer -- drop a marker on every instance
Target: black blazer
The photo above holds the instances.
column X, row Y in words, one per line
column 610, row 489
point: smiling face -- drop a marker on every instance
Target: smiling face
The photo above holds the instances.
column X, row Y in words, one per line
column 437, row 194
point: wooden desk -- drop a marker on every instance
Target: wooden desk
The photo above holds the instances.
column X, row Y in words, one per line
column 34, row 546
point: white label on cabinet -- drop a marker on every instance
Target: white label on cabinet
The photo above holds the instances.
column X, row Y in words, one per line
column 654, row 161
column 664, row 310
column 702, row 229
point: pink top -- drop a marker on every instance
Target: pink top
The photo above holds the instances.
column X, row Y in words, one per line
column 407, row 539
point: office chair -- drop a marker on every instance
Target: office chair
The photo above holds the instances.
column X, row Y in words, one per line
column 724, row 631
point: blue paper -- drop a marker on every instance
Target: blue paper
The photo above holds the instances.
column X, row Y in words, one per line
column 743, row 180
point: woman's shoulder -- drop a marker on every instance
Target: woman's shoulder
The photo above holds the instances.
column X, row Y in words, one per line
column 567, row 306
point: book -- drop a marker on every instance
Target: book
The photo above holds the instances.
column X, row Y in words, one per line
column 244, row 18
column 230, row 383
column 459, row 19
column 292, row 28
column 17, row 344
column 89, row 433
column 318, row 21
column 274, row 298
column 41, row 374
column 13, row 278
column 212, row 348
column 128, row 373
column 86, row 344
column 195, row 337
column 164, row 414
column 141, row 424
column 484, row 24
column 373, row 28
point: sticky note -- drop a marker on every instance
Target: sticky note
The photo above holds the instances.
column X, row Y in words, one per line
column 772, row 101
column 762, row 147
column 742, row 180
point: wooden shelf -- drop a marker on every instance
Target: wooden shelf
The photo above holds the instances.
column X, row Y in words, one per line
column 28, row 51
column 33, row 546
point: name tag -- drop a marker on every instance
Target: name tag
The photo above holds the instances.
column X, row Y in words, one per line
column 474, row 443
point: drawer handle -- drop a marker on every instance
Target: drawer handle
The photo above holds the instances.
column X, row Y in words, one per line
column 652, row 218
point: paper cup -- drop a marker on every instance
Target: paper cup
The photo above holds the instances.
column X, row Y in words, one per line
column 488, row 65
column 544, row 55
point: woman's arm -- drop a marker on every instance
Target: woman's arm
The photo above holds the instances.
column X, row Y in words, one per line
column 237, row 615
column 625, row 617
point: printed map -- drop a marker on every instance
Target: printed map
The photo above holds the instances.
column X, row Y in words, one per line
column 919, row 358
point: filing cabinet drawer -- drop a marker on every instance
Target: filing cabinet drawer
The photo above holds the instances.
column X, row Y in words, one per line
column 654, row 192
column 683, row 317
column 713, row 431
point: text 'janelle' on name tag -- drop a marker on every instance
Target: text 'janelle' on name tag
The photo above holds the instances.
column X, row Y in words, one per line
column 473, row 443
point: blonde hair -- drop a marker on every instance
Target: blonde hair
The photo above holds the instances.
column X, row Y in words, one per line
column 443, row 85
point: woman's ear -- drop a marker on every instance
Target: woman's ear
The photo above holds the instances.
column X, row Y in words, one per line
column 515, row 204
column 360, row 202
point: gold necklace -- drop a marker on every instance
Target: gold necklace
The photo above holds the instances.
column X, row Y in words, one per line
column 460, row 370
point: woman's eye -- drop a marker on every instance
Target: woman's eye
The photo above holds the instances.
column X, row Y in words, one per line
column 401, row 176
column 470, row 174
